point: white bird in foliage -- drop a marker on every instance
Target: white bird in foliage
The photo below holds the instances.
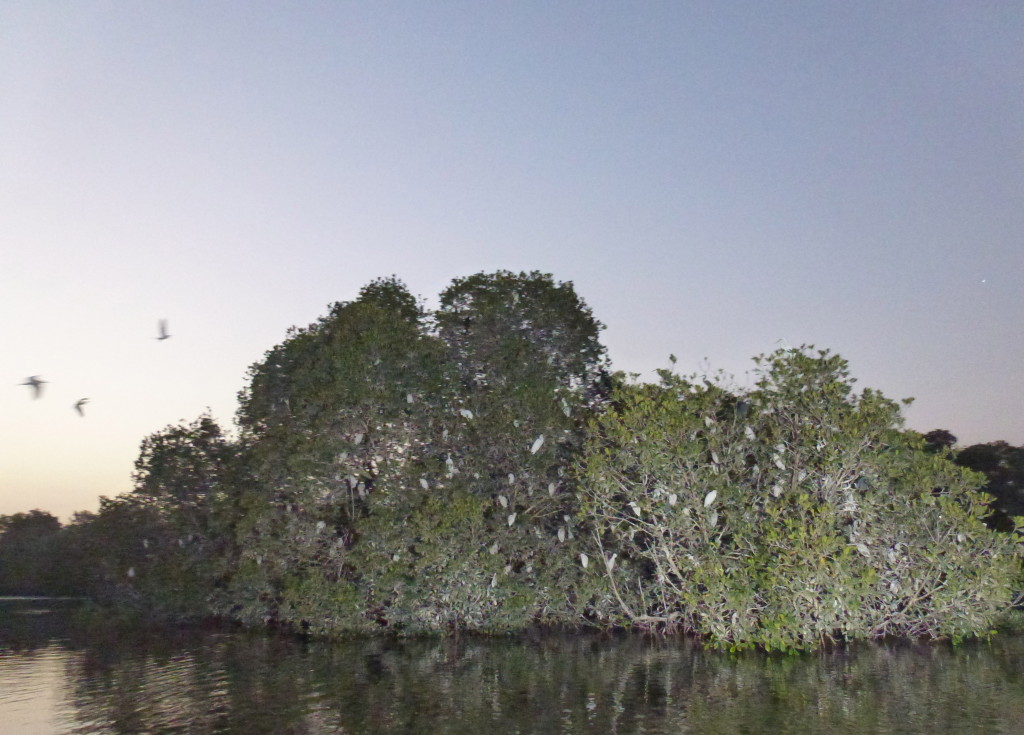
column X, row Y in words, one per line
column 79, row 404
column 36, row 385
column 162, row 328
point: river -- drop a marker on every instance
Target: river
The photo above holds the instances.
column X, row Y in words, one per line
column 58, row 676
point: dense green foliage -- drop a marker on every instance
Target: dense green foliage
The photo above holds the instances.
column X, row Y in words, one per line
column 795, row 514
column 478, row 468
column 321, row 419
column 409, row 473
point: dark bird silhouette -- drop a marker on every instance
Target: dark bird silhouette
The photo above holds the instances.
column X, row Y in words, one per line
column 36, row 384
column 78, row 405
column 163, row 329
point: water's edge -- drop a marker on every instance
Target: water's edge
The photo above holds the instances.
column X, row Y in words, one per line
column 58, row 677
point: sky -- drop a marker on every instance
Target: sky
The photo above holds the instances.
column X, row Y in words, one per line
column 717, row 179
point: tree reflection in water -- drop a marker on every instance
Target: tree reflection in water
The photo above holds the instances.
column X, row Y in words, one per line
column 238, row 683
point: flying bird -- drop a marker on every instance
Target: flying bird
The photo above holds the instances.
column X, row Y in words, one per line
column 78, row 405
column 36, row 384
column 163, row 329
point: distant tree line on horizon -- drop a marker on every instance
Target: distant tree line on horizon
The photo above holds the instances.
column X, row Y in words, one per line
column 480, row 467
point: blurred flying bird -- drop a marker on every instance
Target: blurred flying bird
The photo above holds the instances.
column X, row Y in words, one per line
column 78, row 406
column 37, row 385
column 163, row 329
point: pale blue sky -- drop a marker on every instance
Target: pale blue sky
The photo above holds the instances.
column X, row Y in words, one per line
column 713, row 177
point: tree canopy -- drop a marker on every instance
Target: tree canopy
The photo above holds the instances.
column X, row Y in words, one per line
column 479, row 467
column 793, row 514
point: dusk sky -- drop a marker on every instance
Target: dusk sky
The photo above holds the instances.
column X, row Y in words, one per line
column 717, row 179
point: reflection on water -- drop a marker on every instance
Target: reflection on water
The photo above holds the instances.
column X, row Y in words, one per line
column 55, row 679
column 32, row 691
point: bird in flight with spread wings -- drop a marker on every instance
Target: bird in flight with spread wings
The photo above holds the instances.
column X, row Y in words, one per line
column 36, row 385
column 79, row 404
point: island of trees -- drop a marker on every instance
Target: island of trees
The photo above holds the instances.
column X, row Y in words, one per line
column 481, row 468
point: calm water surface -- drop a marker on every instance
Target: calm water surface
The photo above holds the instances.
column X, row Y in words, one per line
column 57, row 676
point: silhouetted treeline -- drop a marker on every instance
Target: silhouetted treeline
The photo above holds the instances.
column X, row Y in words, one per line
column 1003, row 467
column 37, row 556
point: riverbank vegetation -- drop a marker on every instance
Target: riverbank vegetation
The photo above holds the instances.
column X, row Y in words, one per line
column 480, row 467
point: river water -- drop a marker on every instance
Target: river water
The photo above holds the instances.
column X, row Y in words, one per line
column 57, row 676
